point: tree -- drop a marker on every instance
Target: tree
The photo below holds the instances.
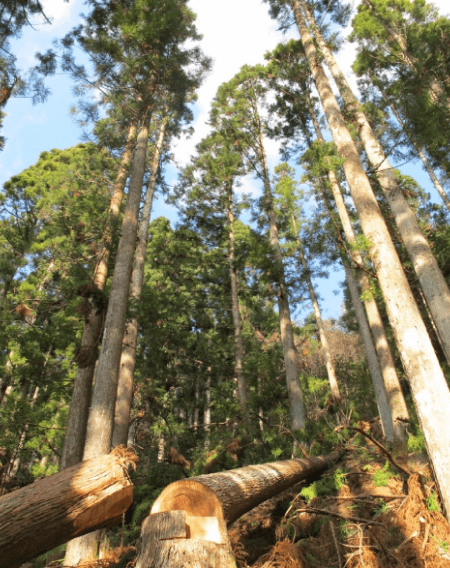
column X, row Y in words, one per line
column 418, row 357
column 428, row 272
column 211, row 178
column 286, row 190
column 401, row 49
column 296, row 107
column 239, row 99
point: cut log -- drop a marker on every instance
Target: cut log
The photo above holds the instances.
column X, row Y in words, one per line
column 90, row 495
column 187, row 523
column 240, row 490
column 229, row 494
column 173, row 539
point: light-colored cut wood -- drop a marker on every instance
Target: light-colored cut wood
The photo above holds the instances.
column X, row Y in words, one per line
column 82, row 498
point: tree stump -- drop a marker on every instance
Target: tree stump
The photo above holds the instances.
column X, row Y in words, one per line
column 173, row 539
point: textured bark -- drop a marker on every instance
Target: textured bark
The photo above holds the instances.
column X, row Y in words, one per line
column 82, row 387
column 428, row 384
column 296, row 404
column 101, row 416
column 240, row 490
column 50, row 511
column 238, row 344
column 384, row 409
column 428, row 272
column 426, row 164
column 398, row 409
column 129, row 343
column 332, row 378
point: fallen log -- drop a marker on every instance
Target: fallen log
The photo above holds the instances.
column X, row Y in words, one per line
column 187, row 523
column 85, row 497
column 240, row 490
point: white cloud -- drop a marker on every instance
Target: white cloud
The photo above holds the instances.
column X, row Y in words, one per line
column 59, row 12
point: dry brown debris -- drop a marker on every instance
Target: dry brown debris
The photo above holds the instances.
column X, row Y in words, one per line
column 284, row 554
column 361, row 526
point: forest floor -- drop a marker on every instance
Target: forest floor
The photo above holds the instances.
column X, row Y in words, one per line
column 365, row 512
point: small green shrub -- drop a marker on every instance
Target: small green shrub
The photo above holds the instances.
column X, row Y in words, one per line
column 432, row 503
column 324, row 486
column 416, row 443
column 381, row 477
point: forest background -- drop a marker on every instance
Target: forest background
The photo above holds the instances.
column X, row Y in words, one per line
column 31, row 129
column 199, row 364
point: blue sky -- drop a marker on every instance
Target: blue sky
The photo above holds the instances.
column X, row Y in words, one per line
column 235, row 33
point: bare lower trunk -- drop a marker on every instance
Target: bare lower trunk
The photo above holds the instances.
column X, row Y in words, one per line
column 128, row 357
column 384, row 409
column 428, row 384
column 101, row 415
column 87, row 353
column 238, row 345
column 207, row 411
column 398, row 409
column 332, row 378
column 428, row 272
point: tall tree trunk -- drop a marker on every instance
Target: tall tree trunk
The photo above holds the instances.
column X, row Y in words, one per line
column 428, row 272
column 129, row 343
column 398, row 409
column 101, row 415
column 426, row 164
column 238, row 345
column 82, row 388
column 296, row 404
column 428, row 384
column 384, row 409
column 332, row 378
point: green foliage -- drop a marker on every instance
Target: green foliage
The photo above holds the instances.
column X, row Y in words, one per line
column 325, row 486
column 416, row 443
column 381, row 477
column 432, row 503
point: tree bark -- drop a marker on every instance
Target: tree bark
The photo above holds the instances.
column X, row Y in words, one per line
column 49, row 512
column 397, row 404
column 82, row 388
column 428, row 384
column 101, row 414
column 238, row 345
column 428, row 272
column 238, row 490
column 332, row 378
column 129, row 343
column 384, row 409
column 174, row 539
column 296, row 404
